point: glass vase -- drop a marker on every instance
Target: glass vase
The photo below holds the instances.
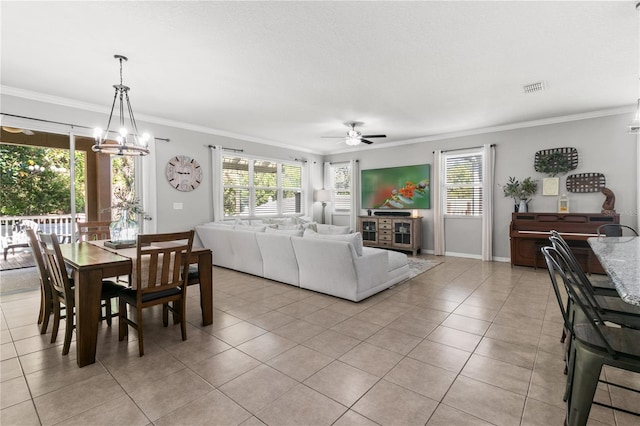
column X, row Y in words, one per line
column 124, row 229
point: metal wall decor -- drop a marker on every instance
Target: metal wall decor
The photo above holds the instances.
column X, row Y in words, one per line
column 586, row 182
column 556, row 160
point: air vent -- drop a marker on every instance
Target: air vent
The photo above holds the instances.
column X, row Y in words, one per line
column 533, row 87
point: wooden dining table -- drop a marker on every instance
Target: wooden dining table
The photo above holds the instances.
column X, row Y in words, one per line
column 620, row 258
column 91, row 264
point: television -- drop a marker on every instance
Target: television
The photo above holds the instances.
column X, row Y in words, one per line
column 405, row 187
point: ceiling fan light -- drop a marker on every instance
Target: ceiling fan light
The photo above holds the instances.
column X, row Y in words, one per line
column 352, row 141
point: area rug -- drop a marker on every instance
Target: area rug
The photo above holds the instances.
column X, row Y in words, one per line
column 419, row 265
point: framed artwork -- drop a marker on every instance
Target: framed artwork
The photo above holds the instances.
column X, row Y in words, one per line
column 550, row 186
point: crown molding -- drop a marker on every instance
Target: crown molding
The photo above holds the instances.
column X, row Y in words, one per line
column 56, row 100
column 60, row 101
column 502, row 128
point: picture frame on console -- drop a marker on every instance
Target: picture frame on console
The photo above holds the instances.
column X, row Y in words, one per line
column 396, row 188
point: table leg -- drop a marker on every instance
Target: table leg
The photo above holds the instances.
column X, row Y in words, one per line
column 88, row 287
column 206, row 287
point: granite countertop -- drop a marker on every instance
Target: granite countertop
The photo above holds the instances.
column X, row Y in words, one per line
column 620, row 257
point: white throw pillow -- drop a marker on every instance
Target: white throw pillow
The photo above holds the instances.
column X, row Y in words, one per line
column 355, row 239
column 256, row 228
column 332, row 229
column 294, row 232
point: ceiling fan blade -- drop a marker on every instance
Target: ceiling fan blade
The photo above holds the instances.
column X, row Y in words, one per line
column 374, row 136
column 366, row 141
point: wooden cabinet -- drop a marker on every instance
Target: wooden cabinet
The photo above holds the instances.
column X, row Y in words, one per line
column 399, row 233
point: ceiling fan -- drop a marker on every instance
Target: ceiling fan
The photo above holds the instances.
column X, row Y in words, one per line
column 355, row 137
column 17, row 130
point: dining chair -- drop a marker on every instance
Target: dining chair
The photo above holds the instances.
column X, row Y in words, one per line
column 161, row 275
column 615, row 230
column 46, row 299
column 594, row 344
column 91, row 231
column 62, row 290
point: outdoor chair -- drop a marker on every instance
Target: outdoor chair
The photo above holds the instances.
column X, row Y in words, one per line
column 160, row 277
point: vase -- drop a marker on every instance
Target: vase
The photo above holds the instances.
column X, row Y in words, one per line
column 523, row 206
column 124, row 229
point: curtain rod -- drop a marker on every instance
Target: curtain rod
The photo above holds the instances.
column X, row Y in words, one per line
column 65, row 124
column 226, row 149
column 338, row 162
column 464, row 149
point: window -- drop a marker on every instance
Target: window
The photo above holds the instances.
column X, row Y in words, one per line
column 463, row 183
column 255, row 187
column 341, row 187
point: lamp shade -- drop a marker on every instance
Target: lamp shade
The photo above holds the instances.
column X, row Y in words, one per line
column 323, row 195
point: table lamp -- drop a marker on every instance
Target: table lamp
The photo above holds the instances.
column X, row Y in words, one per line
column 323, row 196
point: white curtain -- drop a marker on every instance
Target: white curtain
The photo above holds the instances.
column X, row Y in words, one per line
column 355, row 194
column 146, row 182
column 328, row 184
column 488, row 172
column 217, row 184
column 438, row 208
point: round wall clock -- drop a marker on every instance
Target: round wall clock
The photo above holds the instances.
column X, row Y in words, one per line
column 184, row 173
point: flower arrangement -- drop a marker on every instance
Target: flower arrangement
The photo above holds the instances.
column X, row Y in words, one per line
column 403, row 197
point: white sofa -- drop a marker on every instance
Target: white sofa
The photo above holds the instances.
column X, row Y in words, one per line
column 337, row 265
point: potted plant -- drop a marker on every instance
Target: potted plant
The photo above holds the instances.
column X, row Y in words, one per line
column 521, row 192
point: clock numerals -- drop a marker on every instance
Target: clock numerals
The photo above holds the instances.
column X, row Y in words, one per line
column 184, row 173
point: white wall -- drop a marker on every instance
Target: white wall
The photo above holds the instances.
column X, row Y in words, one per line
column 603, row 146
column 197, row 204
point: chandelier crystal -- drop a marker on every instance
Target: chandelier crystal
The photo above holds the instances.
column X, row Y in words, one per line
column 127, row 141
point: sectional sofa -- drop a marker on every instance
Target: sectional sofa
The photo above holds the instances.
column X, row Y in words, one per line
column 320, row 258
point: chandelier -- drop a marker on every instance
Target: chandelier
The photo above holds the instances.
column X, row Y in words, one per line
column 127, row 141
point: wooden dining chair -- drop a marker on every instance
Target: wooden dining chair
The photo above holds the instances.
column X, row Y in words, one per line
column 91, row 231
column 46, row 299
column 62, row 290
column 161, row 275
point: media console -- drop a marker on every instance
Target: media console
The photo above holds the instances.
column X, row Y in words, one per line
column 394, row 232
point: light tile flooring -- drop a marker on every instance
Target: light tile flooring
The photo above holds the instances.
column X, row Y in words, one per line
column 466, row 343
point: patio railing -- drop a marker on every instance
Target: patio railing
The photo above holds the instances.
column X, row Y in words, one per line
column 12, row 232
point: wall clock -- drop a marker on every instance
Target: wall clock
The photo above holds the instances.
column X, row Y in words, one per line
column 184, row 173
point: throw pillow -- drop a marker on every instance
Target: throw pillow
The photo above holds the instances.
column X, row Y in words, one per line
column 333, row 229
column 294, row 232
column 354, row 239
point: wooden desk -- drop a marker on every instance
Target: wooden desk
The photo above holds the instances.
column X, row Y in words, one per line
column 91, row 264
column 620, row 258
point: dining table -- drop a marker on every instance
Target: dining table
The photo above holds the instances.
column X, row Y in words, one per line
column 90, row 263
column 620, row 258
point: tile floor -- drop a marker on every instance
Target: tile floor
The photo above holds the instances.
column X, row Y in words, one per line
column 466, row 343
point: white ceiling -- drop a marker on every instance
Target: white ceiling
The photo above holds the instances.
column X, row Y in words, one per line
column 290, row 72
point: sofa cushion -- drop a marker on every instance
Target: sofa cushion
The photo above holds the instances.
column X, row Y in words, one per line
column 294, row 232
column 332, row 229
column 354, row 239
column 254, row 228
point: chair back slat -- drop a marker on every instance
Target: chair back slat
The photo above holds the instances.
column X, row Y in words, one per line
column 162, row 261
column 55, row 266
column 91, row 231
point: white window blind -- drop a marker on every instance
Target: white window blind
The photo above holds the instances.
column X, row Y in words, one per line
column 463, row 183
column 341, row 174
column 256, row 187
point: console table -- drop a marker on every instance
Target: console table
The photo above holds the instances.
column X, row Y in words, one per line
column 394, row 232
column 530, row 231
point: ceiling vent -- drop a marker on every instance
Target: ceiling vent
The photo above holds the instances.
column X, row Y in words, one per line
column 533, row 87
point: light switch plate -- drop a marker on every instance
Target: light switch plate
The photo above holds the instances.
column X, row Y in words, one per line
column 177, row 206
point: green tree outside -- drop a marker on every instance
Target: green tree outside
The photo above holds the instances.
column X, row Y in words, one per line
column 30, row 190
